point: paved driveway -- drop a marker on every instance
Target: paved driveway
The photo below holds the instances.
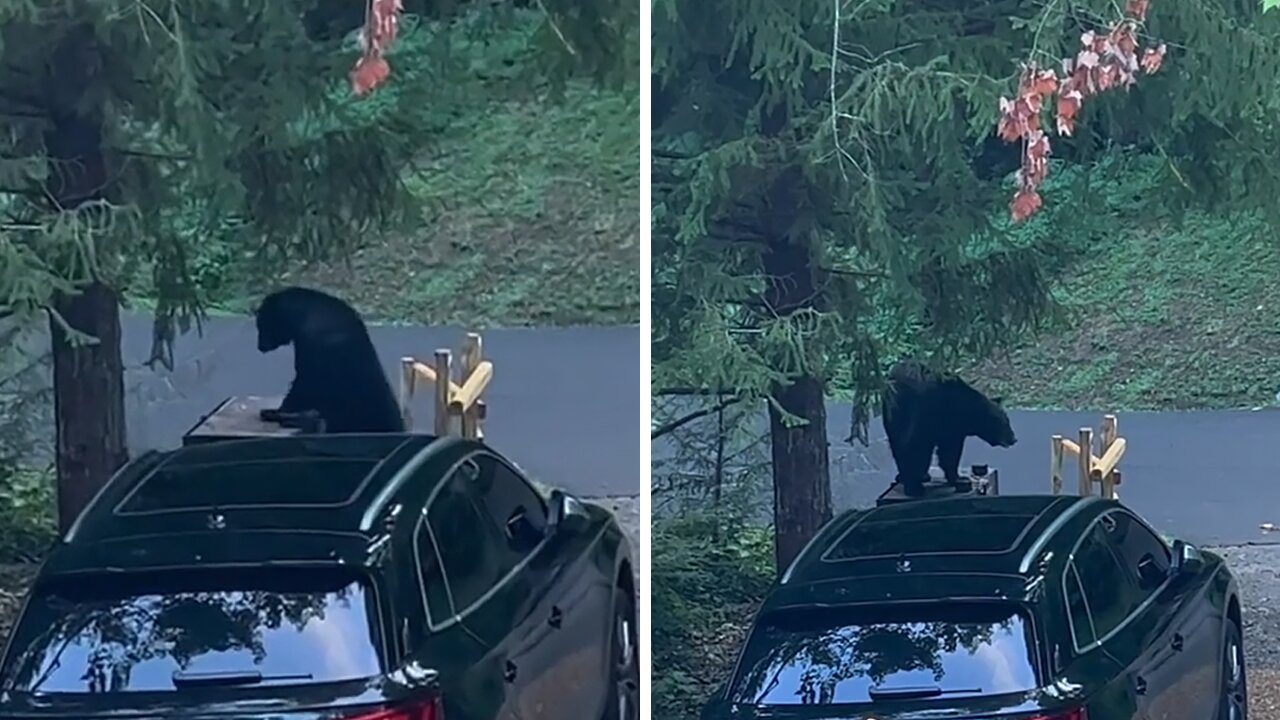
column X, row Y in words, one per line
column 1211, row 477
column 564, row 403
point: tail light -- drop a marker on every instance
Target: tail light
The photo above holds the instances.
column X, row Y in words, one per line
column 1075, row 714
column 430, row 710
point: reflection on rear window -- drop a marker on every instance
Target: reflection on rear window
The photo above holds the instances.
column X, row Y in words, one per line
column 829, row 656
column 112, row 634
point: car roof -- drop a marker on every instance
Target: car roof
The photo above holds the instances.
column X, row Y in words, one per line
column 971, row 546
column 328, row 483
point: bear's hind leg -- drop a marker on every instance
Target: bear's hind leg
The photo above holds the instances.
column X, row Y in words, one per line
column 949, row 452
column 913, row 469
column 911, row 457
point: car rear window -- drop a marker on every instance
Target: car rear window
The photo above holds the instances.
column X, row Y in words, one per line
column 876, row 655
column 164, row 632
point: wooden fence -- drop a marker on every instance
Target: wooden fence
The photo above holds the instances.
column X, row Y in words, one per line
column 458, row 401
column 1099, row 470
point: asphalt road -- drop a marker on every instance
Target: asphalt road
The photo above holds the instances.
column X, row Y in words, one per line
column 1210, row 477
column 564, row 403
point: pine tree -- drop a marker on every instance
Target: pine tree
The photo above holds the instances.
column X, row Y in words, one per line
column 829, row 193
column 136, row 130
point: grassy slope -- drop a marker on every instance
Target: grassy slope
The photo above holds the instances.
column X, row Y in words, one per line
column 1159, row 320
column 531, row 216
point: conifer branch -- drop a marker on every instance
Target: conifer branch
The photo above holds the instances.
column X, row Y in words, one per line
column 687, row 391
column 670, row 427
column 20, row 98
column 555, row 27
column 147, row 154
column 842, row 155
column 19, row 114
column 22, row 192
column 856, row 273
column 674, row 155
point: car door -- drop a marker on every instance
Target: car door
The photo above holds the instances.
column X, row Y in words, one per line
column 1120, row 628
column 471, row 680
column 1080, row 661
column 559, row 643
column 1188, row 635
column 472, row 569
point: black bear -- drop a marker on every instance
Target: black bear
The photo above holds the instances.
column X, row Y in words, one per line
column 337, row 374
column 926, row 412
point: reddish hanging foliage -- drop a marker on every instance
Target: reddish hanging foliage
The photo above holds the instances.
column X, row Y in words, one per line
column 382, row 17
column 1104, row 62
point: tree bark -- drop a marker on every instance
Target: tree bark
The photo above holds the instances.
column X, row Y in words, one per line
column 801, row 470
column 88, row 392
column 88, row 379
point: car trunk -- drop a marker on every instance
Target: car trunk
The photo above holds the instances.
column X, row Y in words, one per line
column 899, row 661
column 297, row 642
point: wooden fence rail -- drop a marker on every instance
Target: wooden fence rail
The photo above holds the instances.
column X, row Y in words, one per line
column 1091, row 469
column 460, row 401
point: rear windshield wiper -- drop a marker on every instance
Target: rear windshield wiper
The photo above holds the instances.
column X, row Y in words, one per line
column 916, row 693
column 238, row 677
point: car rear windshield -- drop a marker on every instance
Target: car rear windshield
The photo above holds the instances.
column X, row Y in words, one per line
column 877, row 655
column 170, row 631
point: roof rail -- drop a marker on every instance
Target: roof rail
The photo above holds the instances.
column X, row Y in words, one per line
column 379, row 502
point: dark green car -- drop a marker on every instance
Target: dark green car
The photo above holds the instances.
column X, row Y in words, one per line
column 1026, row 607
column 370, row 577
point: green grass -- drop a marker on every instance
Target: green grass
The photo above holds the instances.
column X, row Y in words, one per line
column 530, row 217
column 1160, row 318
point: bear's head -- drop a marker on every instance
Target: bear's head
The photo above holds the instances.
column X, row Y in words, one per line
column 992, row 423
column 276, row 320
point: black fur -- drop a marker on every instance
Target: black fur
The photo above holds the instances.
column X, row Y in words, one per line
column 926, row 412
column 337, row 374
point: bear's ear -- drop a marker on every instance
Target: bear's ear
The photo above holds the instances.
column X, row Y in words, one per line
column 998, row 400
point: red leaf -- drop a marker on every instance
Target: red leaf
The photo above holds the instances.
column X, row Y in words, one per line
column 1025, row 204
column 1106, row 77
column 1035, row 160
column 1123, row 38
column 1104, row 61
column 1068, row 108
column 369, row 73
column 1007, row 129
column 381, row 22
column 1152, row 58
column 1039, row 83
column 382, row 19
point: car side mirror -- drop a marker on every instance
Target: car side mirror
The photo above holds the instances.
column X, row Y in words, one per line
column 1187, row 559
column 1150, row 574
column 565, row 513
column 522, row 533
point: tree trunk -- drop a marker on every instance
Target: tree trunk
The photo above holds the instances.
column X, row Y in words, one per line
column 88, row 379
column 801, row 473
column 801, row 470
column 88, row 392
